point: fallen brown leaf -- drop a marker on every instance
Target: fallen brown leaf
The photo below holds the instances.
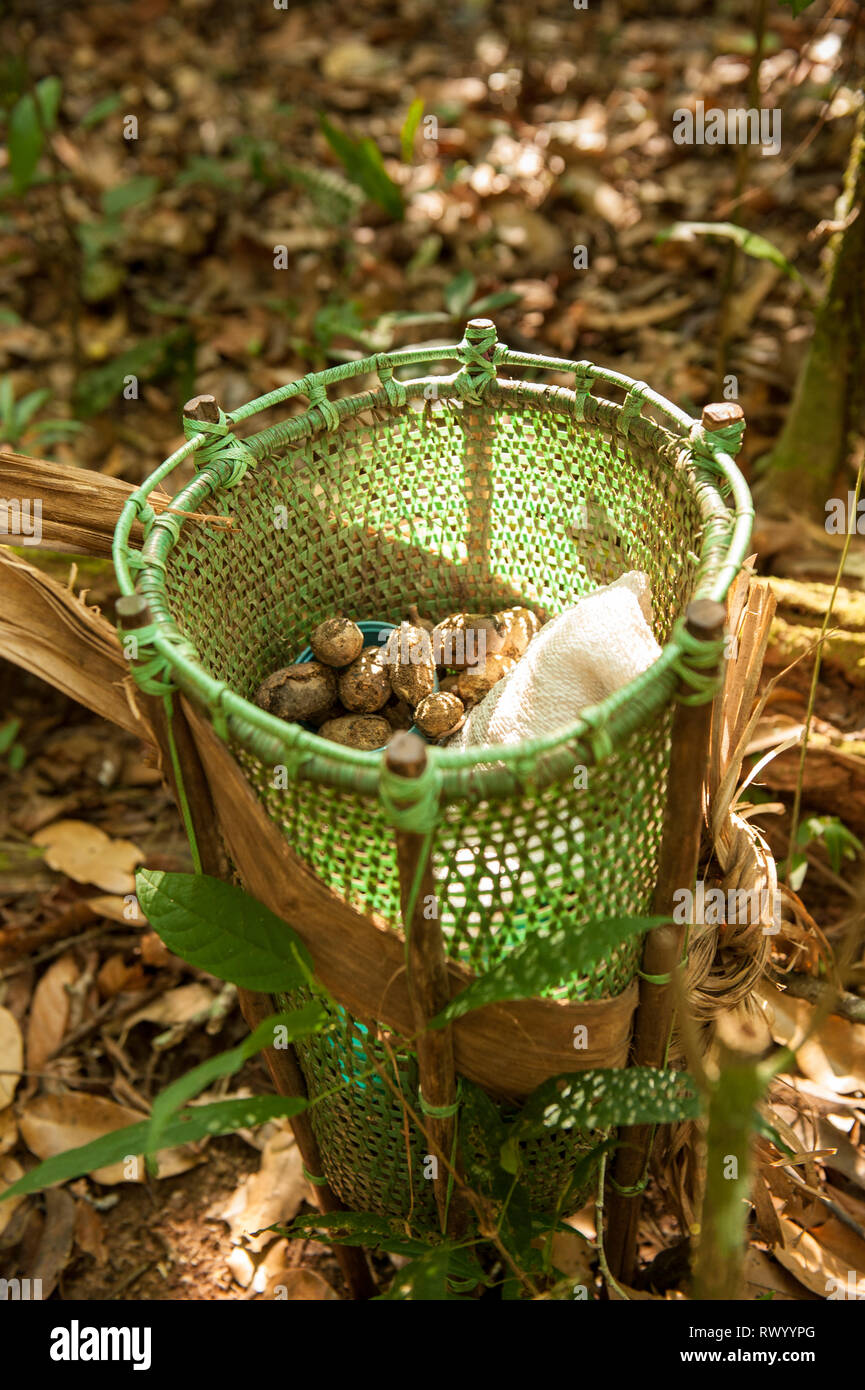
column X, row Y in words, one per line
column 51, row 1124
column 55, row 1247
column 273, row 1194
column 90, row 1232
column 10, row 1171
column 86, row 854
column 11, row 1056
column 821, row 1269
column 49, row 1012
column 833, row 1056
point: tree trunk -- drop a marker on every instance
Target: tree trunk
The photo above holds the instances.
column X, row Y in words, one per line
column 830, row 394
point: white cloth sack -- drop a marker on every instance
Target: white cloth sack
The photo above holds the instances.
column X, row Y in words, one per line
column 577, row 659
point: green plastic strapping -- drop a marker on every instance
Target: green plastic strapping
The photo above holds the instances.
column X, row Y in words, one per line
column 316, row 1180
column 411, row 803
column 440, row 1112
column 698, row 665
column 222, row 447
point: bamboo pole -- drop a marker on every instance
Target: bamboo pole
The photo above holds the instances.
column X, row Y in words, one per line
column 428, row 984
column 662, row 954
column 478, row 483
column 133, row 614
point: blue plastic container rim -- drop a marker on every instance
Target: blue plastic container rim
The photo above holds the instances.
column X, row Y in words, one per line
column 374, row 635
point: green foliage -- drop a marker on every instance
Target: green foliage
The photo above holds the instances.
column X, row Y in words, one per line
column 220, row 928
column 280, row 1030
column 100, row 110
column 32, row 118
column 10, row 749
column 17, row 425
column 460, row 301
column 797, row 6
column 130, row 194
column 606, row 1098
column 543, row 960
column 757, row 247
column 333, row 197
column 436, row 1267
column 831, row 831
column 198, row 1122
column 169, row 354
column 409, row 129
column 363, row 163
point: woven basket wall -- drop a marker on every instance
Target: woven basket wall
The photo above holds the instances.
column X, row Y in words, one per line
column 452, row 506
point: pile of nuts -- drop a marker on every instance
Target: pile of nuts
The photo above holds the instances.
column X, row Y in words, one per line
column 359, row 696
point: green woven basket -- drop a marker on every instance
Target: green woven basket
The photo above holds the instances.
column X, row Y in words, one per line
column 464, row 491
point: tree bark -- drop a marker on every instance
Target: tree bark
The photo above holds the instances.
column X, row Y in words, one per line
column 829, row 399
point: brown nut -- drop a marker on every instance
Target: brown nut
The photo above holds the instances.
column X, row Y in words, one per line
column 408, row 653
column 462, row 640
column 416, row 620
column 439, row 714
column 472, row 686
column 365, row 731
column 365, row 685
column 337, row 642
column 398, row 714
column 298, row 692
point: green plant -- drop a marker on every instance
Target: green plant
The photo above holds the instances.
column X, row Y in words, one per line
column 30, row 120
column 840, row 844
column 363, row 163
column 17, row 425
column 10, row 748
column 759, row 248
column 221, row 929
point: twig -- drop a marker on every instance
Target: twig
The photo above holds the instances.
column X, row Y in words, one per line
column 815, row 677
column 847, row 1005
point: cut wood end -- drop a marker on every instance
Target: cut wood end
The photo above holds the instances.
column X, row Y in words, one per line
column 132, row 611
column 720, row 414
column 705, row 619
column 202, row 408
column 406, row 754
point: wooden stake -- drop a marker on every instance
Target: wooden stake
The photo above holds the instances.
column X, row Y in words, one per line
column 429, row 990
column 202, row 408
column 478, row 485
column 677, row 869
column 133, row 613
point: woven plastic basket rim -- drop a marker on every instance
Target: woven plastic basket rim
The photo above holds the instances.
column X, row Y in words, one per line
column 475, row 773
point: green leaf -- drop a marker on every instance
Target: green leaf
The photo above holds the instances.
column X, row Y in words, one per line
column 96, row 388
column 8, row 734
column 100, row 109
column 48, row 92
column 199, row 1121
column 797, row 6
column 365, row 1228
column 840, row 842
column 423, row 1280
column 601, row 1099
column 544, row 959
column 127, row 195
column 286, row 1027
column 500, row 299
column 385, row 1233
column 217, row 927
column 459, row 294
column 363, row 163
column 409, row 129
column 25, row 143
column 28, row 405
column 753, row 245
column 203, row 170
